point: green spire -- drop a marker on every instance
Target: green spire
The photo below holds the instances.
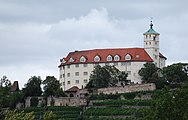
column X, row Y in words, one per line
column 151, row 30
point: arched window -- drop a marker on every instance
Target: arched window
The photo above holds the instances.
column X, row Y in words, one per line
column 97, row 58
column 109, row 58
column 82, row 59
column 128, row 57
column 71, row 59
column 116, row 58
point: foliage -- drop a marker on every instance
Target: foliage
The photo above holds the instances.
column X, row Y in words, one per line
column 175, row 73
column 34, row 101
column 102, row 96
column 4, row 82
column 170, row 105
column 60, row 112
column 149, row 73
column 15, row 115
column 123, row 102
column 5, row 86
column 52, row 87
column 49, row 116
column 16, row 97
column 33, row 87
column 106, row 76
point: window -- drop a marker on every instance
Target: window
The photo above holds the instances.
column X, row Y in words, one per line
column 150, row 43
column 85, row 65
column 68, row 74
column 155, row 50
column 61, row 76
column 76, row 73
column 128, row 63
column 116, row 58
column 85, row 73
column 76, row 65
column 85, row 81
column 106, row 63
column 128, row 57
column 68, row 66
column 82, row 59
column 63, row 83
column 116, row 64
column 123, row 63
column 68, row 82
column 109, row 58
column 155, row 56
column 71, row 60
column 97, row 58
column 77, row 81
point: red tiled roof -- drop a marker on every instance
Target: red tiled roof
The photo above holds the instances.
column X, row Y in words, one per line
column 73, row 89
column 103, row 53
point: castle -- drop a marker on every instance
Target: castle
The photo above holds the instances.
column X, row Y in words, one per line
column 76, row 67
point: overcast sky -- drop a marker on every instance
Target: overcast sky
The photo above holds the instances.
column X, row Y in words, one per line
column 35, row 34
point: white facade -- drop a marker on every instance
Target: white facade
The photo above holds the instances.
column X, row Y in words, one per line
column 78, row 74
column 76, row 68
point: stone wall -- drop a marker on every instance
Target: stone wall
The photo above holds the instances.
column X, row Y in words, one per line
column 66, row 101
column 128, row 88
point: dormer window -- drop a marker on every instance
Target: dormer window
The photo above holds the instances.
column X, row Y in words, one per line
column 128, row 57
column 109, row 58
column 116, row 58
column 97, row 58
column 71, row 59
column 82, row 59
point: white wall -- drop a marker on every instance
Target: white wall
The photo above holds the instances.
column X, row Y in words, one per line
column 131, row 67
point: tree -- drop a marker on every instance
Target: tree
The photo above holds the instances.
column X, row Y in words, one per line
column 52, row 87
column 170, row 105
column 149, row 73
column 5, row 86
column 105, row 76
column 175, row 73
column 4, row 82
column 33, row 87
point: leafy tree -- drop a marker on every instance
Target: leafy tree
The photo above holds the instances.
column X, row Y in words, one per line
column 149, row 73
column 33, row 87
column 170, row 105
column 105, row 76
column 5, row 86
column 15, row 115
column 52, row 87
column 16, row 97
column 34, row 101
column 4, row 82
column 175, row 73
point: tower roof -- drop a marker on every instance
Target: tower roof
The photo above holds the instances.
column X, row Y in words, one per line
column 151, row 30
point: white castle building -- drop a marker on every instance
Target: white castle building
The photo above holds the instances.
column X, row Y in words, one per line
column 76, row 67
